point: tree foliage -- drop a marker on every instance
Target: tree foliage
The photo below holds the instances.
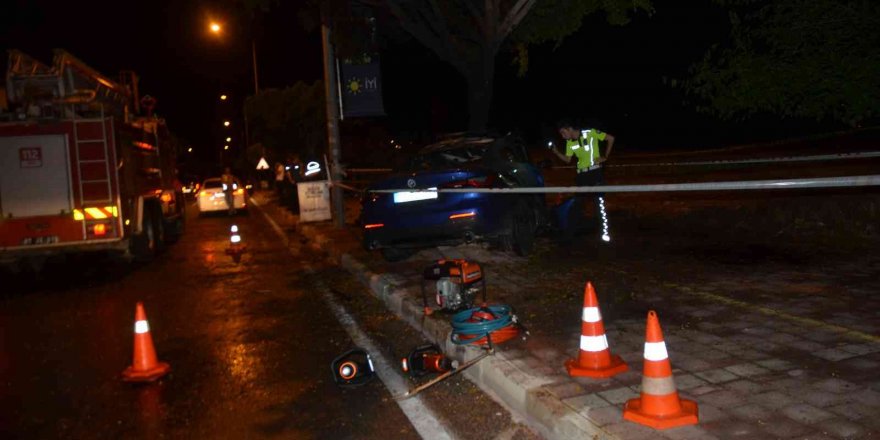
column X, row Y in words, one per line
column 290, row 120
column 795, row 58
column 468, row 34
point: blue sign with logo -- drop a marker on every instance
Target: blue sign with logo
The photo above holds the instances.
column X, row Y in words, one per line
column 361, row 86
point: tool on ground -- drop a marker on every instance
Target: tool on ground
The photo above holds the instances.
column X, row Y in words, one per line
column 446, row 375
column 659, row 405
column 456, row 284
column 485, row 325
column 594, row 358
column 236, row 248
column 353, row 368
column 145, row 366
column 427, row 359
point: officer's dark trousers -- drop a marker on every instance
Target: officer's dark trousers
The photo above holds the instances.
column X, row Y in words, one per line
column 576, row 216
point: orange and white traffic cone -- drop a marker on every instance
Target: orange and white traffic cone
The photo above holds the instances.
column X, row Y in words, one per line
column 659, row 405
column 594, row 359
column 145, row 367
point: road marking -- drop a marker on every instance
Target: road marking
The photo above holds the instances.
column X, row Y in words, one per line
column 426, row 423
column 845, row 331
column 272, row 223
column 422, row 418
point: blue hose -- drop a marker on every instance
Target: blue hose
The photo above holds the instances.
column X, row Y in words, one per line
column 479, row 330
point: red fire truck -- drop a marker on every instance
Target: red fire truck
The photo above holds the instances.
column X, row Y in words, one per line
column 80, row 169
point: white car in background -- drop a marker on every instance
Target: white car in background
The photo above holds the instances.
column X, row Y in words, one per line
column 211, row 196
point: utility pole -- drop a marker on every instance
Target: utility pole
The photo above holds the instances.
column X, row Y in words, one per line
column 254, row 55
column 331, row 98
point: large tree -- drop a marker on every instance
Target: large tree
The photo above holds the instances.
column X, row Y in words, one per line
column 800, row 58
column 469, row 34
column 290, row 120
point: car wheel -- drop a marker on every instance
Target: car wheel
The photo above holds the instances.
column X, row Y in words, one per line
column 392, row 255
column 520, row 228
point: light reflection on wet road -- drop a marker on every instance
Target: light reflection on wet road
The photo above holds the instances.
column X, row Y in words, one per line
column 249, row 345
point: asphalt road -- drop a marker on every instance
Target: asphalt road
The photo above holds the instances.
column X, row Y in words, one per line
column 249, row 345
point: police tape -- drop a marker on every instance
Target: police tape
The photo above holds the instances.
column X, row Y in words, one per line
column 781, row 159
column 368, row 170
column 346, row 187
column 813, row 158
column 818, row 182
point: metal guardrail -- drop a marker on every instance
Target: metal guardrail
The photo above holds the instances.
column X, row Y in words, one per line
column 819, row 182
column 781, row 159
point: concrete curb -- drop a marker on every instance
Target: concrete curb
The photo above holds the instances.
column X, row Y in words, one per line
column 523, row 391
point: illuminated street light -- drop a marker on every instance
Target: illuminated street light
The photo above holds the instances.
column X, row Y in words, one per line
column 226, row 147
column 226, row 123
column 223, row 97
column 215, row 28
column 189, row 150
column 229, row 139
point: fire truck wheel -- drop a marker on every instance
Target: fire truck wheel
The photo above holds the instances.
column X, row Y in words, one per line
column 159, row 228
column 144, row 244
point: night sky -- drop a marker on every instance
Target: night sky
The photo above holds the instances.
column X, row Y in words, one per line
column 186, row 69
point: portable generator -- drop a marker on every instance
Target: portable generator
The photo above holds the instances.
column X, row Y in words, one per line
column 456, row 284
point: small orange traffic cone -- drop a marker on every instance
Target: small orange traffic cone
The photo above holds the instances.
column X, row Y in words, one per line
column 145, row 367
column 595, row 359
column 659, row 405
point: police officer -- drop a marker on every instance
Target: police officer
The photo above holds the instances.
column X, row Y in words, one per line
column 585, row 145
column 229, row 187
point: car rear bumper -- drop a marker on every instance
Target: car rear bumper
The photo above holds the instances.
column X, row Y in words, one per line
column 11, row 255
column 454, row 232
column 211, row 203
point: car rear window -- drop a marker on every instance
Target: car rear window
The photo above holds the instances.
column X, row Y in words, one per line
column 459, row 155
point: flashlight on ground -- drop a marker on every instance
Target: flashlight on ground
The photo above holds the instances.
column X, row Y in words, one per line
column 353, row 368
column 426, row 359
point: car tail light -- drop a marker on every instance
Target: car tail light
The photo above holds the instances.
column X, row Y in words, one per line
column 374, row 225
column 99, row 229
column 473, row 182
column 463, row 215
column 238, row 191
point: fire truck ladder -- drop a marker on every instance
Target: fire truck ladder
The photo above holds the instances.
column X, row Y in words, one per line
column 79, row 143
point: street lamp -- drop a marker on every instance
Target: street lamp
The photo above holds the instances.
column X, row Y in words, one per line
column 189, row 150
column 226, row 147
column 229, row 139
column 226, row 123
column 215, row 27
column 223, row 97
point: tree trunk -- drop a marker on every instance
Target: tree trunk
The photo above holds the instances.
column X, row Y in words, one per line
column 480, row 83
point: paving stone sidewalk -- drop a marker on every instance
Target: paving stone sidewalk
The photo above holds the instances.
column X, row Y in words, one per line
column 802, row 363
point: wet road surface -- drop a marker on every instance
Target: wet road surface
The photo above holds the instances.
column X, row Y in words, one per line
column 249, row 345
